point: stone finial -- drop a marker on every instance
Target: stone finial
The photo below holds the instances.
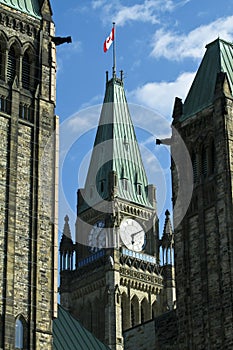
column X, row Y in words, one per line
column 66, row 240
column 167, row 237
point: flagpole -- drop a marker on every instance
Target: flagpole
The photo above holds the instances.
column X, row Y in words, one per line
column 114, row 52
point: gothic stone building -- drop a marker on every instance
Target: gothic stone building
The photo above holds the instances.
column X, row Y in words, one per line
column 203, row 235
column 204, row 238
column 117, row 281
column 119, row 288
column 28, row 214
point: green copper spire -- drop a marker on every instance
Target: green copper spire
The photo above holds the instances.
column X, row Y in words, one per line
column 116, row 168
column 218, row 58
column 30, row 7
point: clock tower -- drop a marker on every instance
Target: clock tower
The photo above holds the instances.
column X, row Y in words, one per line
column 117, row 282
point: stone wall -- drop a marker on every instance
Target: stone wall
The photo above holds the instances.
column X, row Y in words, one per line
column 28, row 182
column 159, row 333
column 203, row 240
column 4, row 129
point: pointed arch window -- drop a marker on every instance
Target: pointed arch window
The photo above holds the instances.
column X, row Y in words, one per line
column 132, row 316
column 26, row 71
column 11, row 66
column 142, row 315
column 19, row 334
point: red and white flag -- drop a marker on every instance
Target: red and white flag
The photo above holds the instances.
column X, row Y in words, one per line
column 109, row 40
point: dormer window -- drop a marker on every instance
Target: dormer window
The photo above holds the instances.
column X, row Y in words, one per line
column 126, row 143
column 139, row 189
column 125, row 184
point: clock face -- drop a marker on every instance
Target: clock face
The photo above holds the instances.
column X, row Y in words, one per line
column 132, row 235
column 97, row 237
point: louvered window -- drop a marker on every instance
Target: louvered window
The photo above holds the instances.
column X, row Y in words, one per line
column 26, row 71
column 1, row 63
column 11, row 66
column 194, row 164
column 204, row 162
column 212, row 156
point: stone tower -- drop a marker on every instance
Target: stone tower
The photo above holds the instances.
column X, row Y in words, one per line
column 117, row 281
column 204, row 237
column 28, row 232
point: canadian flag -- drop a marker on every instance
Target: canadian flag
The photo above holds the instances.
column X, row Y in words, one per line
column 109, row 40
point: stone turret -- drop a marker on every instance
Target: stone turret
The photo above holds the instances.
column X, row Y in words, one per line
column 168, row 271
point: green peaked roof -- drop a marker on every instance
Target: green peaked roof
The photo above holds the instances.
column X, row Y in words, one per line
column 31, row 7
column 69, row 334
column 218, row 58
column 116, row 151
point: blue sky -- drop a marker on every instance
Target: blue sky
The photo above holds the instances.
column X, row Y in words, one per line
column 159, row 45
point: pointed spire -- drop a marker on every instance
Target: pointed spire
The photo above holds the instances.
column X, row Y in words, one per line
column 116, row 151
column 217, row 59
column 66, row 241
column 167, row 241
column 167, row 231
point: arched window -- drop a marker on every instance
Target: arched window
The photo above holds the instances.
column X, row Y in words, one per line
column 135, row 311
column 19, row 334
column 11, row 66
column 155, row 309
column 26, row 71
column 145, row 311
column 142, row 315
column 132, row 316
column 125, row 312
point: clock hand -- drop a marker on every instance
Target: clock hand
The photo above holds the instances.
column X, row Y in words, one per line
column 136, row 233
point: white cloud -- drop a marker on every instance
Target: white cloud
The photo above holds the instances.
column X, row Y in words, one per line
column 98, row 3
column 160, row 96
column 147, row 11
column 176, row 46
